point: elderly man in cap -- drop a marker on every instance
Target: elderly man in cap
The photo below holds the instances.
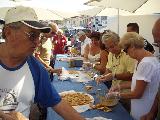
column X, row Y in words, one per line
column 156, row 106
column 23, row 78
column 84, row 40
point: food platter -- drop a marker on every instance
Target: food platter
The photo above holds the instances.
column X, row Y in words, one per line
column 102, row 107
column 108, row 102
column 111, row 102
column 73, row 72
column 78, row 100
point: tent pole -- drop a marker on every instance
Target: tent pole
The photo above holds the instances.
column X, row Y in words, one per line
column 118, row 20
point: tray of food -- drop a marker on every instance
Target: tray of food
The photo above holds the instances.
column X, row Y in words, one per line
column 78, row 100
column 101, row 107
column 73, row 72
column 108, row 102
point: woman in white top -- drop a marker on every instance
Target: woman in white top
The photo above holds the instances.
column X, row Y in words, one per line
column 145, row 80
column 96, row 53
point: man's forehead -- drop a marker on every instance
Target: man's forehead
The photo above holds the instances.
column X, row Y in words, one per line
column 156, row 32
column 156, row 28
column 157, row 25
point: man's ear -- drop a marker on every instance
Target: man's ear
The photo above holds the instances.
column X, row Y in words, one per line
column 3, row 33
column 6, row 32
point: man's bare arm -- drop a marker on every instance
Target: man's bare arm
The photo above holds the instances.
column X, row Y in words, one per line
column 67, row 112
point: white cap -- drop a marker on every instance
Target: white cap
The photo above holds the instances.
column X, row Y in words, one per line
column 25, row 15
column 80, row 33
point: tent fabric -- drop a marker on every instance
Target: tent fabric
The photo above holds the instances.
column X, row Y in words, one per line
column 43, row 14
column 137, row 6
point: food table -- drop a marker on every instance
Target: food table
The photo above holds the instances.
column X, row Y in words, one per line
column 117, row 113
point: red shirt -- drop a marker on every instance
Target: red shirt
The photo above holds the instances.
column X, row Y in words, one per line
column 59, row 44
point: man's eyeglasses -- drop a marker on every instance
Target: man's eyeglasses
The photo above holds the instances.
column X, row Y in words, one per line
column 126, row 49
column 32, row 35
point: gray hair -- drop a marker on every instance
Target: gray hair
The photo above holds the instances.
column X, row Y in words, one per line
column 132, row 39
column 110, row 36
column 14, row 25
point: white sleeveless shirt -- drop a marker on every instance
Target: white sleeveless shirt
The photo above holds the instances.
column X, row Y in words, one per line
column 94, row 58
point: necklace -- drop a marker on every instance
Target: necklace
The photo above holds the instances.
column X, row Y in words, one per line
column 116, row 60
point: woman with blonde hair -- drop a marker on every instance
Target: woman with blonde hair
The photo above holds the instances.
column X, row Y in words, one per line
column 145, row 80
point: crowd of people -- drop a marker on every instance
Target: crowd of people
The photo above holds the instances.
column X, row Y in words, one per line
column 126, row 65
column 21, row 68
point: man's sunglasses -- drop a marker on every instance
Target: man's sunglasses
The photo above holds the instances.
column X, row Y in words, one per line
column 32, row 35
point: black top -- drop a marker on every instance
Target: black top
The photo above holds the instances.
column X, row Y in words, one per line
column 2, row 21
column 148, row 46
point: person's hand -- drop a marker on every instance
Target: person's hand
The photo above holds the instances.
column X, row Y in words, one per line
column 115, row 88
column 113, row 95
column 100, row 78
column 109, row 77
column 103, row 78
column 87, row 65
column 12, row 116
column 50, row 69
column 5, row 116
column 17, row 115
column 148, row 116
column 95, row 65
column 58, row 71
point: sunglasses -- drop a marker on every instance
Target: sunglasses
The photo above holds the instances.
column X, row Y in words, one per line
column 126, row 49
column 32, row 35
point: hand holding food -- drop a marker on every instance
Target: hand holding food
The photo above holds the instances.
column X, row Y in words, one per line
column 115, row 88
column 12, row 116
column 100, row 78
column 17, row 116
column 113, row 95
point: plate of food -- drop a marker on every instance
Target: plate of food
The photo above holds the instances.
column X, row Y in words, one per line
column 73, row 72
column 101, row 107
column 108, row 102
column 78, row 100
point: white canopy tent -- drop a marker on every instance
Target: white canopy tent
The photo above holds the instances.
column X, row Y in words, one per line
column 136, row 6
column 103, row 11
column 118, row 7
column 43, row 14
column 65, row 14
column 145, row 8
column 92, row 12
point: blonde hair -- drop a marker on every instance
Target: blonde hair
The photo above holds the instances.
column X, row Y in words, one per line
column 54, row 27
column 132, row 39
column 110, row 36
